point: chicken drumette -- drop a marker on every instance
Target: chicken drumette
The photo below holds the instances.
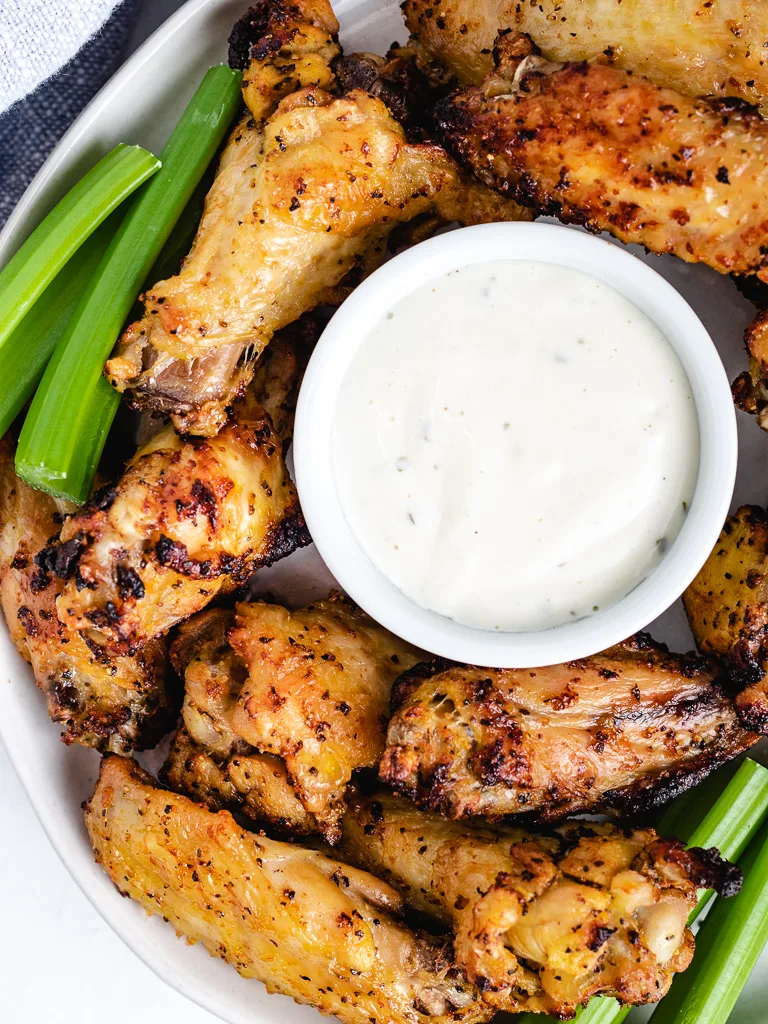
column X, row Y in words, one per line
column 309, row 190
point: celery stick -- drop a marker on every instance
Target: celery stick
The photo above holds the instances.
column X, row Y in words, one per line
column 24, row 356
column 70, row 222
column 67, row 424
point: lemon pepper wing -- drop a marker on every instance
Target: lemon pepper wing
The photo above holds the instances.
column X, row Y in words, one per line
column 696, row 48
column 309, row 190
column 310, row 687
column 623, row 730
column 544, row 922
column 727, row 608
column 188, row 520
column 307, row 926
column 594, row 145
column 111, row 703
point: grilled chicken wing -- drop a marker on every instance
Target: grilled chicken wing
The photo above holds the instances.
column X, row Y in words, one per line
column 300, row 200
column 596, row 146
column 112, row 703
column 750, row 389
column 626, row 729
column 305, row 925
column 542, row 923
column 257, row 786
column 189, row 519
column 310, row 687
column 727, row 608
column 694, row 47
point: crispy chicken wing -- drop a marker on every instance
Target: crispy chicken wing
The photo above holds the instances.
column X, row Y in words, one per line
column 112, row 703
column 310, row 687
column 750, row 389
column 300, row 201
column 307, row 926
column 544, row 922
column 596, row 146
column 189, row 519
column 257, row 786
column 695, row 47
column 626, row 730
column 727, row 608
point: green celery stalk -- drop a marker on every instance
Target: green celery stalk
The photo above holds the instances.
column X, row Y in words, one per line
column 70, row 222
column 25, row 355
column 730, row 824
column 728, row 945
column 67, row 424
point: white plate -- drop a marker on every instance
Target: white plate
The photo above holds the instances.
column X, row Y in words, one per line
column 141, row 104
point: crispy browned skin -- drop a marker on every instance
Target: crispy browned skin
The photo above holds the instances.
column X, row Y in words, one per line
column 307, row 191
column 596, row 146
column 727, row 608
column 111, row 703
column 208, row 760
column 305, row 925
column 255, row 785
column 697, row 47
column 189, row 519
column 310, row 687
column 544, row 922
column 623, row 730
column 750, row 389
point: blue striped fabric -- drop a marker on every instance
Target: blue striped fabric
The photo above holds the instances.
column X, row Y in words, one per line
column 31, row 127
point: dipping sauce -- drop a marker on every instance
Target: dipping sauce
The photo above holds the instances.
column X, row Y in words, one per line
column 515, row 445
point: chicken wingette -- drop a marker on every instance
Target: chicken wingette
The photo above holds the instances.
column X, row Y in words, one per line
column 188, row 520
column 543, row 922
column 111, row 703
column 727, row 608
column 308, row 190
column 623, row 730
column 307, row 926
column 696, row 47
column 309, row 687
column 596, row 146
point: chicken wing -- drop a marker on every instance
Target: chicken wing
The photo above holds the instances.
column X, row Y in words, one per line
column 189, row 519
column 307, row 926
column 300, row 200
column 626, row 730
column 111, row 703
column 727, row 608
column 544, row 922
column 750, row 389
column 310, row 687
column 691, row 46
column 596, row 146
column 256, row 786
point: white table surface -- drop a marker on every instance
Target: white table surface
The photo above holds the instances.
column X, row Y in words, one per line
column 59, row 962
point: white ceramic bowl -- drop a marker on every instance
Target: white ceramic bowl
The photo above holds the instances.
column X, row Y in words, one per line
column 313, row 460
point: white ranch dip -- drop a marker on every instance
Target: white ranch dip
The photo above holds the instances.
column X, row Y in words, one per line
column 515, row 445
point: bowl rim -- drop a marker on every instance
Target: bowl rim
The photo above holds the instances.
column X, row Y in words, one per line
column 313, row 456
